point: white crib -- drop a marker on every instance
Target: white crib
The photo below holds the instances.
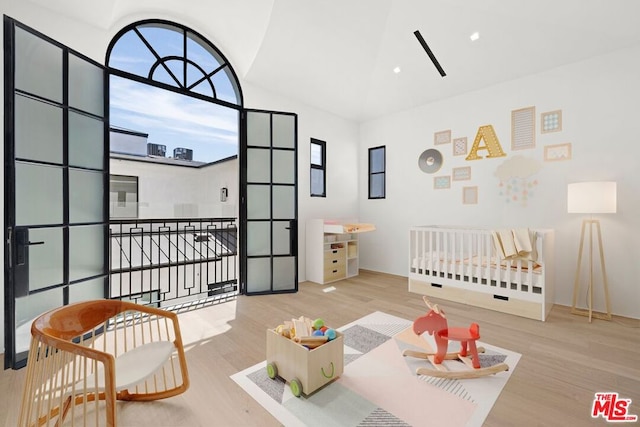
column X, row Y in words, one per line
column 461, row 264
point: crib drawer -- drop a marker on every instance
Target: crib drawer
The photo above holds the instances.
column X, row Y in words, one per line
column 518, row 307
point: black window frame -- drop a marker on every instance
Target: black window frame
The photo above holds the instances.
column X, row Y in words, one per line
column 383, row 172
column 322, row 167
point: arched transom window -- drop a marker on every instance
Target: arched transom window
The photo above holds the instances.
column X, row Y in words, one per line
column 172, row 55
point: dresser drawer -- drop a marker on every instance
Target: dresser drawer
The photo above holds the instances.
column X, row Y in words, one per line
column 335, row 274
column 339, row 254
column 332, row 263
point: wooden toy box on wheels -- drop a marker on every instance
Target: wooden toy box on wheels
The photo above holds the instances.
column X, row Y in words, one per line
column 305, row 369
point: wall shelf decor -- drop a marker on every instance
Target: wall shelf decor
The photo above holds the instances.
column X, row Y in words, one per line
column 523, row 128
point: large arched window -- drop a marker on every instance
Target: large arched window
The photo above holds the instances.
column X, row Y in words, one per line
column 173, row 55
column 172, row 85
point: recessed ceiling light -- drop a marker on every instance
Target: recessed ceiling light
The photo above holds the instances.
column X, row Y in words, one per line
column 475, row 36
column 396, row 70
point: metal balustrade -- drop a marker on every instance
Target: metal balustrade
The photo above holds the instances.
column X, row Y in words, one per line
column 175, row 262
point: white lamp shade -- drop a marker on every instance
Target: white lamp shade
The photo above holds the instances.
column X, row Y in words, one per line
column 591, row 197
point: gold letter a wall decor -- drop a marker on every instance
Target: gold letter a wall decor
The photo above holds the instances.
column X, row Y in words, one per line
column 491, row 144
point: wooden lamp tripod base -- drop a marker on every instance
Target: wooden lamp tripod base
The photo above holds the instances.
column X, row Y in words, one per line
column 589, row 311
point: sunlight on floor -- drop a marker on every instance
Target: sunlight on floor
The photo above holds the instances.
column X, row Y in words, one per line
column 199, row 326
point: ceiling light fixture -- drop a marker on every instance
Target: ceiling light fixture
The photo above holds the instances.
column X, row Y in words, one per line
column 475, row 36
column 396, row 70
column 426, row 48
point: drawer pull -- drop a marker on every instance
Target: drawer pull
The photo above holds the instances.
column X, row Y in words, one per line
column 334, row 261
column 334, row 251
column 334, row 271
column 500, row 297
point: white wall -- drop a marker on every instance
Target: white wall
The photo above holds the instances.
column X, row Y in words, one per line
column 164, row 190
column 598, row 99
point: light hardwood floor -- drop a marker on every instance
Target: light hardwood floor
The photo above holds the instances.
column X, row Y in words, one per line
column 564, row 360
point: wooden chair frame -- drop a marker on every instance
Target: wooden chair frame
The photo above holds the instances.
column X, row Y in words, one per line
column 100, row 351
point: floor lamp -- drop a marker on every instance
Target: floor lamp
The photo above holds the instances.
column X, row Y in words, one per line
column 591, row 198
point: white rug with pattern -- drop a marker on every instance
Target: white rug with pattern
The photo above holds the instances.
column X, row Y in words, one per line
column 379, row 386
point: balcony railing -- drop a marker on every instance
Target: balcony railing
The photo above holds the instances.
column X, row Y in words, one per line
column 174, row 262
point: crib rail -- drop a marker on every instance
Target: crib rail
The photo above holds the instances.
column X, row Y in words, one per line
column 469, row 256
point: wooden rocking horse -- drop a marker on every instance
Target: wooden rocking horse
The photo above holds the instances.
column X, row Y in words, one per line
column 435, row 323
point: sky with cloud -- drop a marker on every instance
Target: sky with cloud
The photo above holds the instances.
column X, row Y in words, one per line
column 170, row 119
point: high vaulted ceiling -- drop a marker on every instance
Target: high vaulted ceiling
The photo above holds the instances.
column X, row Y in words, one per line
column 339, row 56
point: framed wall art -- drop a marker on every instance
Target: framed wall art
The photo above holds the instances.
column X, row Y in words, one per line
column 470, row 195
column 523, row 128
column 460, row 146
column 551, row 121
column 461, row 174
column 558, row 152
column 441, row 182
column 442, row 137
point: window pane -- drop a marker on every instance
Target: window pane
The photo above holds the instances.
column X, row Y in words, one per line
column 38, row 194
column 86, row 251
column 46, row 261
column 85, row 196
column 284, row 128
column 258, row 274
column 225, row 89
column 86, row 141
column 376, row 160
column 258, row 238
column 38, row 130
column 376, row 186
column 87, row 89
column 283, row 167
column 284, row 202
column 130, row 54
column 281, row 238
column 316, row 154
column 258, row 165
column 317, row 182
column 84, row 291
column 284, row 273
column 258, row 201
column 166, row 40
column 258, row 129
column 38, row 59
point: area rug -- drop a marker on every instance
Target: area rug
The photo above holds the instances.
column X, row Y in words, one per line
column 379, row 387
